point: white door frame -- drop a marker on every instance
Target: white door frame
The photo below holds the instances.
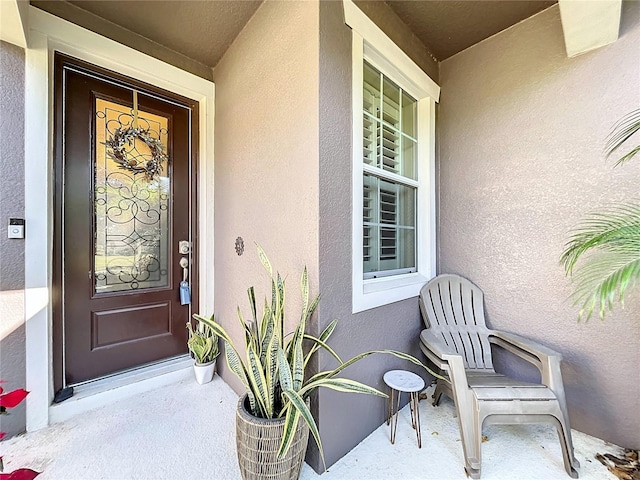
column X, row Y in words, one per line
column 46, row 34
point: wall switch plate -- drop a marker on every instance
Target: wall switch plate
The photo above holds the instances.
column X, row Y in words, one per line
column 16, row 228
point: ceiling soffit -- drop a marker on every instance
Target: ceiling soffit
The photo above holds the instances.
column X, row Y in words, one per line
column 203, row 30
column 200, row 30
column 448, row 27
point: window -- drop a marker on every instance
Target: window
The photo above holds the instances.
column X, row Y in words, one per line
column 393, row 168
column 389, row 176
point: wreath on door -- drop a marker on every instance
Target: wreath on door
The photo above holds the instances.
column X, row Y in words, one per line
column 124, row 138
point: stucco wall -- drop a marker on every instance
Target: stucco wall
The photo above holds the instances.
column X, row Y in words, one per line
column 521, row 133
column 345, row 419
column 12, row 337
column 266, row 150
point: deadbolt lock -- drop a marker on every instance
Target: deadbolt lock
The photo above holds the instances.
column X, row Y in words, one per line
column 184, row 247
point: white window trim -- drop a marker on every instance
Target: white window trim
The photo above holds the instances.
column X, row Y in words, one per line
column 372, row 44
column 46, row 34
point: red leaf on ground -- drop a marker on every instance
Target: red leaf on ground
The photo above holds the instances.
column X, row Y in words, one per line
column 11, row 399
column 2, row 434
column 20, row 474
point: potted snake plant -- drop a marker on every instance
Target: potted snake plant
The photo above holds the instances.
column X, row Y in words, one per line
column 203, row 346
column 273, row 420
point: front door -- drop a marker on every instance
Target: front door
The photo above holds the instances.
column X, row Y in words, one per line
column 124, row 223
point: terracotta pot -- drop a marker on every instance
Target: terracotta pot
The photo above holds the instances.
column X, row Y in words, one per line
column 257, row 442
column 204, row 371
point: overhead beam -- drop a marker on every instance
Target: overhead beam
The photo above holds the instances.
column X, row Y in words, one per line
column 589, row 24
column 13, row 21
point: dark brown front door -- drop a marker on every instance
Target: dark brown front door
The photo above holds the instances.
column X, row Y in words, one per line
column 117, row 233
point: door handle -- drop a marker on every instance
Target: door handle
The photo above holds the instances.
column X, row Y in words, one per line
column 184, row 263
column 185, row 290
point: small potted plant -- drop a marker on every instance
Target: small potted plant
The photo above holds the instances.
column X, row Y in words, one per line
column 203, row 346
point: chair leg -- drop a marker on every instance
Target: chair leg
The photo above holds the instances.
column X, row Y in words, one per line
column 471, row 436
column 552, row 377
column 437, row 395
column 564, row 436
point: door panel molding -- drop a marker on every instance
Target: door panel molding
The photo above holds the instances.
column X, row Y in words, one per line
column 46, row 34
column 102, row 323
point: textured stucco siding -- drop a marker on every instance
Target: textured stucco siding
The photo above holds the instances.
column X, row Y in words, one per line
column 12, row 336
column 521, row 134
column 266, row 160
column 345, row 419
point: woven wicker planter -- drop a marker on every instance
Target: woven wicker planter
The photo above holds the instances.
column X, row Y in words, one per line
column 257, row 441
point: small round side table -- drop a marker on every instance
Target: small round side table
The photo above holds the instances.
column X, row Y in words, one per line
column 402, row 381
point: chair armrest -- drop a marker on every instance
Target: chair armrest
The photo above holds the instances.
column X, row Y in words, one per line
column 526, row 345
column 447, row 359
column 546, row 359
column 436, row 345
column 443, row 356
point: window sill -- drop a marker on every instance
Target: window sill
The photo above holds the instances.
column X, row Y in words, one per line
column 377, row 292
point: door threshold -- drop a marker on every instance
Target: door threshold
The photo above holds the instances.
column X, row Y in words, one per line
column 106, row 391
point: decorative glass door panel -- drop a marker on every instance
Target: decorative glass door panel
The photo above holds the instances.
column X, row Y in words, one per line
column 132, row 213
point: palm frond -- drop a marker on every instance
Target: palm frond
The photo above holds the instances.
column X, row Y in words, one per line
column 620, row 133
column 609, row 245
column 603, row 280
column 615, row 229
column 627, row 156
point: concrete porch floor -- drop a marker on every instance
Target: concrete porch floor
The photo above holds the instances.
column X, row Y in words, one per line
column 187, row 430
